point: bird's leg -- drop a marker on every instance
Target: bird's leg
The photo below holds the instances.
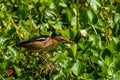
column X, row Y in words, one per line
column 42, row 58
column 39, row 55
column 45, row 57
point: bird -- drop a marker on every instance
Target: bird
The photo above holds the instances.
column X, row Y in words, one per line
column 43, row 43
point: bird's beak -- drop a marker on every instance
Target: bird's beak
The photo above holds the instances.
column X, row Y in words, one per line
column 62, row 39
column 66, row 40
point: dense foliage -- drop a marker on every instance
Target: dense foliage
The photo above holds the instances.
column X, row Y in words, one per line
column 93, row 24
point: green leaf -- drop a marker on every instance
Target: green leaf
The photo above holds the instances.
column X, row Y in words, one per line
column 31, row 78
column 95, row 52
column 66, row 33
column 90, row 15
column 74, row 49
column 103, row 66
column 4, row 65
column 81, row 46
column 117, row 18
column 2, row 78
column 77, row 68
column 56, row 57
column 108, row 60
column 18, row 70
column 2, row 15
column 118, row 8
column 73, row 32
column 84, row 15
column 111, row 69
column 96, row 39
column 112, row 46
column 106, row 52
column 14, row 52
column 53, row 6
column 94, row 5
column 118, row 46
column 117, row 64
column 69, row 14
column 117, row 75
column 63, row 4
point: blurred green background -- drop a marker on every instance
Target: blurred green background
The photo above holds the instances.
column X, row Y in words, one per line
column 93, row 24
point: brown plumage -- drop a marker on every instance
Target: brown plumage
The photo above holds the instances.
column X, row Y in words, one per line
column 43, row 43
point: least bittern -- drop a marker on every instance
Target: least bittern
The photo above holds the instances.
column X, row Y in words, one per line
column 43, row 43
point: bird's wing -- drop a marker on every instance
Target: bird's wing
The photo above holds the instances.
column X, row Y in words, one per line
column 40, row 38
